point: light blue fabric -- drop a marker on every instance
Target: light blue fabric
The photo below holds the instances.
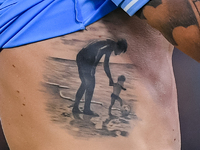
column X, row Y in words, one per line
column 130, row 6
column 27, row 21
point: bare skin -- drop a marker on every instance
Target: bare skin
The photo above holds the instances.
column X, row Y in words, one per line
column 26, row 121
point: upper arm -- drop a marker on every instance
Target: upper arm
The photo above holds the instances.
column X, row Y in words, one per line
column 178, row 21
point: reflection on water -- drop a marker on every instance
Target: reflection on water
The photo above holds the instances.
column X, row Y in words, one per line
column 62, row 82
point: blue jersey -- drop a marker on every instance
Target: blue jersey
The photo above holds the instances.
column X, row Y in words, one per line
column 28, row 21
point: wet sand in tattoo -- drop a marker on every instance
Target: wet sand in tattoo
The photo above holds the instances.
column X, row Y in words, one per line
column 62, row 82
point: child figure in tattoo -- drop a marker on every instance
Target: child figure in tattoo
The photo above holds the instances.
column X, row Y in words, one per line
column 87, row 60
column 117, row 87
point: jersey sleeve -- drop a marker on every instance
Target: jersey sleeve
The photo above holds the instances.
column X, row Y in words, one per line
column 130, row 6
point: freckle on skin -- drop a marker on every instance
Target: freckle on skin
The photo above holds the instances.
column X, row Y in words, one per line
column 13, row 66
column 23, row 104
column 18, row 91
column 21, row 115
column 174, row 139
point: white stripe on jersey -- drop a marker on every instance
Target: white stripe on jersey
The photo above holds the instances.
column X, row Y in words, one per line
column 130, row 5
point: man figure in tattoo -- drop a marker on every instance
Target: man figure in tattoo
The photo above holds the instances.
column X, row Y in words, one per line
column 117, row 87
column 87, row 60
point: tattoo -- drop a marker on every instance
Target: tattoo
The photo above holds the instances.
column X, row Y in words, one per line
column 72, row 101
column 152, row 3
column 197, row 5
column 169, row 15
column 155, row 3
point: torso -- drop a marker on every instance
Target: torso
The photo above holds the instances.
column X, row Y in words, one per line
column 35, row 114
column 116, row 89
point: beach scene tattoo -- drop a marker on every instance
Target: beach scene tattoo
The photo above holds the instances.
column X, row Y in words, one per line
column 91, row 96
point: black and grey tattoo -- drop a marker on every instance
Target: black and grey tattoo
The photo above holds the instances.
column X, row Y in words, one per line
column 82, row 99
column 197, row 5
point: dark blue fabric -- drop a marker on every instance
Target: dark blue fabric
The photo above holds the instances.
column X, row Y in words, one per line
column 27, row 21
